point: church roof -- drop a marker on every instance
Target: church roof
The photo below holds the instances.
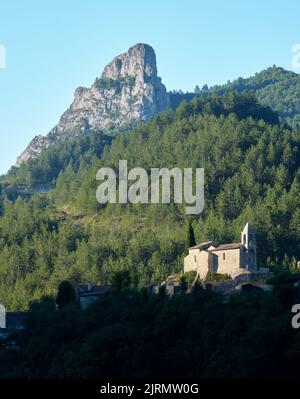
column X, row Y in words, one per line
column 223, row 247
column 203, row 245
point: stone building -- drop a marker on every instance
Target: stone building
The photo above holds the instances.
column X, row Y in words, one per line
column 88, row 293
column 232, row 259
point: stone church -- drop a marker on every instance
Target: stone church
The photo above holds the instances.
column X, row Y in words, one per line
column 232, row 259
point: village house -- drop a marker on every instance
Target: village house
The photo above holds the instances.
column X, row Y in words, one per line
column 14, row 322
column 233, row 259
column 88, row 293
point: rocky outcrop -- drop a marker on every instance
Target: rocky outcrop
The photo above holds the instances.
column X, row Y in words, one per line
column 36, row 146
column 128, row 90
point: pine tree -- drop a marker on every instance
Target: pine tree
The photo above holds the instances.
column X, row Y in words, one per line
column 183, row 285
column 197, row 90
column 191, row 241
column 65, row 295
column 120, row 280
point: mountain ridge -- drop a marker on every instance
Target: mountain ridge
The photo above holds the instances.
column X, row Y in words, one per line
column 127, row 91
column 275, row 87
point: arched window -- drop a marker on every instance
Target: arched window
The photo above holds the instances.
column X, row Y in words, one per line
column 244, row 239
column 250, row 239
column 223, row 255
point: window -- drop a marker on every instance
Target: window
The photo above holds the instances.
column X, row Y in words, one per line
column 244, row 238
column 250, row 239
column 223, row 255
column 195, row 259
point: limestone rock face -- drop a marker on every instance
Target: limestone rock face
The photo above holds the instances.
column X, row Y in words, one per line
column 36, row 146
column 128, row 90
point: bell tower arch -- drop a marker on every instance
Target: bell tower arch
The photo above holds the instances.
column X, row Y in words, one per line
column 248, row 240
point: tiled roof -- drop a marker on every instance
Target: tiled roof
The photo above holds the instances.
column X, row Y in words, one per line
column 223, row 247
column 96, row 290
column 203, row 245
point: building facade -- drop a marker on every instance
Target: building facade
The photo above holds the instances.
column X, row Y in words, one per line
column 232, row 259
column 88, row 293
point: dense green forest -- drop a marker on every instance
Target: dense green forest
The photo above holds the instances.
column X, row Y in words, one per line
column 274, row 87
column 252, row 175
column 129, row 334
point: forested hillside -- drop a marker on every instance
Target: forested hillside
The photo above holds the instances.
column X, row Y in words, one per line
column 274, row 87
column 129, row 334
column 252, row 175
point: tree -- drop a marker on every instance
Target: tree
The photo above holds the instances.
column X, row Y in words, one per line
column 120, row 280
column 183, row 284
column 197, row 90
column 191, row 241
column 65, row 294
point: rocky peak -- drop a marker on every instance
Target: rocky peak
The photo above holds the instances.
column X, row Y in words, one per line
column 139, row 61
column 36, row 146
column 127, row 91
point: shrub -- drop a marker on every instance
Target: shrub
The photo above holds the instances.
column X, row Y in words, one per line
column 216, row 277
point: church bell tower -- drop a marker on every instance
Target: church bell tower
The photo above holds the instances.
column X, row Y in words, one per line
column 249, row 247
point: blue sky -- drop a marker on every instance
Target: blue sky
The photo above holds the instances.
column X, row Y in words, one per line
column 52, row 47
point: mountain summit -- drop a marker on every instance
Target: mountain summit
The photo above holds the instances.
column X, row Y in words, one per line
column 128, row 90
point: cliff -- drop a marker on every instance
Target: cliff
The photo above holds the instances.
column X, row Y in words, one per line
column 127, row 91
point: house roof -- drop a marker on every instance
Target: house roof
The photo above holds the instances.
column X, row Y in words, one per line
column 96, row 290
column 80, row 288
column 173, row 279
column 224, row 247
